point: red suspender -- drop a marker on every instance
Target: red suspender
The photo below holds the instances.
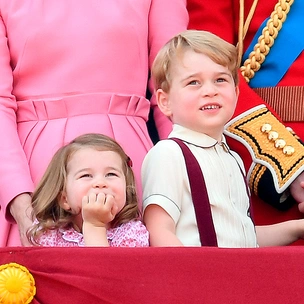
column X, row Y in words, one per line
column 199, row 197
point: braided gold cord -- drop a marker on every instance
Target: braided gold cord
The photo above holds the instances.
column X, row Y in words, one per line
column 266, row 40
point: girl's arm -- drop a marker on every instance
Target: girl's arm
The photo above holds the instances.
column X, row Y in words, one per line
column 97, row 212
column 94, row 235
column 280, row 234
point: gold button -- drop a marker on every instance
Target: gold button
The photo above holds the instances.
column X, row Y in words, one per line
column 266, row 128
column 288, row 150
column 280, row 143
column 290, row 130
column 273, row 135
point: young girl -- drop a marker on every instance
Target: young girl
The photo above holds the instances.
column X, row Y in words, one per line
column 87, row 197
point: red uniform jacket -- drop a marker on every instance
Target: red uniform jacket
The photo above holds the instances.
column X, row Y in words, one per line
column 222, row 18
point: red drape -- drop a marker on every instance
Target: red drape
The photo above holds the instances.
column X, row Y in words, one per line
column 162, row 275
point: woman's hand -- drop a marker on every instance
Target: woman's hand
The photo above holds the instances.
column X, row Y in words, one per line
column 21, row 209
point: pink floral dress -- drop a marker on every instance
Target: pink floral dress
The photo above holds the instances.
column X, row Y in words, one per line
column 131, row 234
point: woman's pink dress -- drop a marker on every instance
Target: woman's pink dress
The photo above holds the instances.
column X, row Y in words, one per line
column 70, row 67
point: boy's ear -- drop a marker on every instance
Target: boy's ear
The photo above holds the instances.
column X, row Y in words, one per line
column 237, row 92
column 163, row 102
column 63, row 202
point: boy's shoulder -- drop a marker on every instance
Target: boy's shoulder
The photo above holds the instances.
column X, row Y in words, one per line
column 165, row 146
column 163, row 151
column 168, row 142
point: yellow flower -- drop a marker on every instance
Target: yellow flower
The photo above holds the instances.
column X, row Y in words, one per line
column 17, row 285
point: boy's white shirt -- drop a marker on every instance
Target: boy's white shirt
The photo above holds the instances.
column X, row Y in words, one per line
column 165, row 182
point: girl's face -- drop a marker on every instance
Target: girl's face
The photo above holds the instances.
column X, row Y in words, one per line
column 202, row 96
column 88, row 171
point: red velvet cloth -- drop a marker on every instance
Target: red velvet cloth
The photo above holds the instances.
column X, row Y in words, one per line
column 162, row 275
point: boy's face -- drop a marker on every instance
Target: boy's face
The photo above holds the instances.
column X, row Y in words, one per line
column 202, row 97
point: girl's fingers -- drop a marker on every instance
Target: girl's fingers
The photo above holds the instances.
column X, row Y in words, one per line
column 100, row 198
column 109, row 201
column 85, row 200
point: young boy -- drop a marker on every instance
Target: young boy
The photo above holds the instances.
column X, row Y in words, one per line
column 196, row 82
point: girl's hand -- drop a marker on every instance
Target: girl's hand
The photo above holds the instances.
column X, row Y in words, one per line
column 98, row 209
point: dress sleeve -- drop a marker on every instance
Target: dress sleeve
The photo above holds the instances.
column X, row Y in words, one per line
column 166, row 19
column 17, row 178
column 51, row 238
column 131, row 234
column 61, row 238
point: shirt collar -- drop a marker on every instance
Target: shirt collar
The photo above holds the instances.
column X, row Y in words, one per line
column 196, row 138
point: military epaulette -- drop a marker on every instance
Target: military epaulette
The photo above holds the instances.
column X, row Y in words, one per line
column 270, row 144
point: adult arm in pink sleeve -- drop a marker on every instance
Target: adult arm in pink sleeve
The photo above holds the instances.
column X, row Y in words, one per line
column 167, row 18
column 15, row 179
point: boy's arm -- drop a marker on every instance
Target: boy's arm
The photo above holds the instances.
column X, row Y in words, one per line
column 280, row 234
column 161, row 227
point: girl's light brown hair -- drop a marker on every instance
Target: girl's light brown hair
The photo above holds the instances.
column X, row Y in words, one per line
column 45, row 200
column 202, row 42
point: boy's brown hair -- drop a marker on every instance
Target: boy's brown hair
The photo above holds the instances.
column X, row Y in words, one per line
column 202, row 42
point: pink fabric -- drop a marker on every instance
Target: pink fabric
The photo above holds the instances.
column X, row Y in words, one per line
column 72, row 67
column 131, row 234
